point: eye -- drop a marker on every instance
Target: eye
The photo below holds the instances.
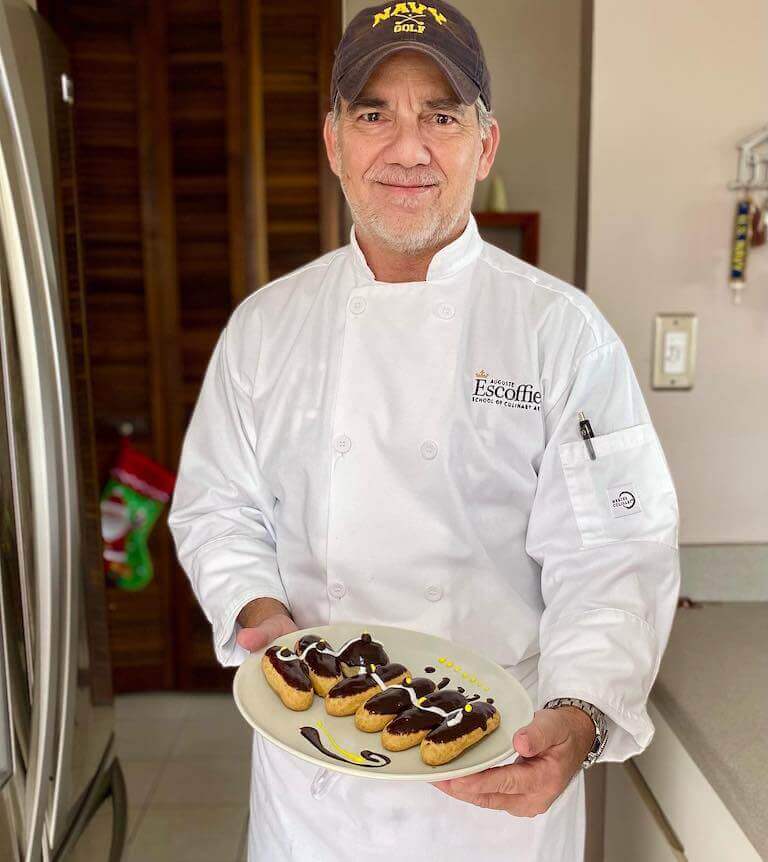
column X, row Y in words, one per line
column 447, row 117
column 370, row 114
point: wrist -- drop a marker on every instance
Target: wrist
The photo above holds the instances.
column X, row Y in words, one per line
column 599, row 731
column 583, row 727
column 258, row 610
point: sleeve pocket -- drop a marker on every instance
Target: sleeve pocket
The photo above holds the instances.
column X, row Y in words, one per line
column 626, row 493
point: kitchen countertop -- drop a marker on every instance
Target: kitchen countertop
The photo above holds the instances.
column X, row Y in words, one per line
column 712, row 688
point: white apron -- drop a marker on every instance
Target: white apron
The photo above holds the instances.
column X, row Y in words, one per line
column 409, row 454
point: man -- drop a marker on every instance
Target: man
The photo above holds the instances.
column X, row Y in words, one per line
column 392, row 434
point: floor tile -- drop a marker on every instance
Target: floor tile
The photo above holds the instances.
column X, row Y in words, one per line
column 159, row 704
column 150, row 738
column 224, row 781
column 195, row 834
column 140, row 777
column 229, row 736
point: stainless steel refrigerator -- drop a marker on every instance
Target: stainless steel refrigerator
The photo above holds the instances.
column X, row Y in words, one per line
column 62, row 795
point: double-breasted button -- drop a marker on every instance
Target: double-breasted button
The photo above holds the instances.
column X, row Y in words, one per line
column 342, row 443
column 357, row 304
column 434, row 592
column 337, row 589
column 445, row 310
column 428, row 449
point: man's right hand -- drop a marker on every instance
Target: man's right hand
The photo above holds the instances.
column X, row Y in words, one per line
column 262, row 621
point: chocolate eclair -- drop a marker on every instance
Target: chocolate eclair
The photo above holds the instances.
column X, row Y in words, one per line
column 346, row 696
column 321, row 662
column 457, row 733
column 288, row 677
column 412, row 725
column 379, row 710
column 361, row 653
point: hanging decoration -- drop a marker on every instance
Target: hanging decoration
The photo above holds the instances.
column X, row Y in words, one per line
column 751, row 219
column 133, row 497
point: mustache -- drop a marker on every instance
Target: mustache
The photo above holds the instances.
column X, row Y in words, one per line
column 419, row 178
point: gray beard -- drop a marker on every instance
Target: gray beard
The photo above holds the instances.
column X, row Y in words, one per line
column 434, row 231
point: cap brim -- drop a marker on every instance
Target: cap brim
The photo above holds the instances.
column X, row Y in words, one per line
column 353, row 80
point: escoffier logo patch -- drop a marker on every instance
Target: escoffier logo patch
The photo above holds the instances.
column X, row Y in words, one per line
column 623, row 501
column 504, row 393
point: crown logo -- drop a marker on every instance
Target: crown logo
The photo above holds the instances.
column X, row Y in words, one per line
column 481, row 375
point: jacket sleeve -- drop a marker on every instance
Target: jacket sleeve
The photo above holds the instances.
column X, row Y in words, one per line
column 605, row 533
column 221, row 513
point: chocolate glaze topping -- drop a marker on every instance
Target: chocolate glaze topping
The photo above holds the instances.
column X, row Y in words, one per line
column 416, row 718
column 364, row 652
column 478, row 717
column 358, row 684
column 394, row 700
column 321, row 663
column 443, row 682
column 291, row 670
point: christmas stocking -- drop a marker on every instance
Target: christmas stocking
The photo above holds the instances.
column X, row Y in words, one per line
column 131, row 501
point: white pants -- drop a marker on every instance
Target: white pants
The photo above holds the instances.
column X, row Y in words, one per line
column 395, row 821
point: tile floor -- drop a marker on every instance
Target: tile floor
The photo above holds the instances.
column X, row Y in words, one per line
column 186, row 760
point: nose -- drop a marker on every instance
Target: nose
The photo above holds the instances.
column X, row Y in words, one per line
column 407, row 147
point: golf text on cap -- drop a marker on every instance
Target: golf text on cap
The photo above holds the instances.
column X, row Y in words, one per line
column 409, row 17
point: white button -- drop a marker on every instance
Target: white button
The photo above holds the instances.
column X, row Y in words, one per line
column 434, row 592
column 357, row 304
column 337, row 589
column 428, row 449
column 342, row 443
column 445, row 310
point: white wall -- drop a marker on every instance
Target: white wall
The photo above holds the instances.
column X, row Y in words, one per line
column 532, row 48
column 675, row 87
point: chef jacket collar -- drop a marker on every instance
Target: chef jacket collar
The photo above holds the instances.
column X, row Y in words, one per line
column 445, row 263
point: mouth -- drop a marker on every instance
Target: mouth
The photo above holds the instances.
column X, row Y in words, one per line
column 408, row 190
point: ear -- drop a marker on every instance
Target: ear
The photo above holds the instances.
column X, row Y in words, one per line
column 330, row 141
column 490, row 145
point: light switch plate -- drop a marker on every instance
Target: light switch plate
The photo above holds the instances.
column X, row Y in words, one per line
column 674, row 355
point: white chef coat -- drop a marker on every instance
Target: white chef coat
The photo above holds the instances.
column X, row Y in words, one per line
column 409, row 454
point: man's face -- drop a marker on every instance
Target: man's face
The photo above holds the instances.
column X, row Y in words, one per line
column 408, row 154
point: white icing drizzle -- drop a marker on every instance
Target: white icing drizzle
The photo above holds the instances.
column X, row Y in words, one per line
column 456, row 714
column 287, row 654
column 452, row 717
column 336, row 653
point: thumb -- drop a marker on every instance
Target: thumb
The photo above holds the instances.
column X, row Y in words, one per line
column 256, row 637
column 533, row 739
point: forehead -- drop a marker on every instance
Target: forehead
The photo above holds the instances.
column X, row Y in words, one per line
column 408, row 68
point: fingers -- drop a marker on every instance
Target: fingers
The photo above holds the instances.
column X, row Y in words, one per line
column 518, row 804
column 256, row 637
column 515, row 778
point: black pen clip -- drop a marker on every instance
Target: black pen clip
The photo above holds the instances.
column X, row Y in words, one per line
column 586, row 434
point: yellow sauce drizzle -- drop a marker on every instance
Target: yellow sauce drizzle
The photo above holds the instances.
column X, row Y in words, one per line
column 350, row 754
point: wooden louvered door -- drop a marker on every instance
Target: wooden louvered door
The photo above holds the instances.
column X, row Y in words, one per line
column 201, row 176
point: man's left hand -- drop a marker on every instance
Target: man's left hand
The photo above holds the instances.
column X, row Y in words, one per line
column 551, row 748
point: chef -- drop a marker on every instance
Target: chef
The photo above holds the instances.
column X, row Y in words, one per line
column 393, row 433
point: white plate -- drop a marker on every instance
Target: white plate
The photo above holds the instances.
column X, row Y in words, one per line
column 265, row 712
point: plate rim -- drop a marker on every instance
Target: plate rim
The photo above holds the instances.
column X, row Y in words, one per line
column 338, row 766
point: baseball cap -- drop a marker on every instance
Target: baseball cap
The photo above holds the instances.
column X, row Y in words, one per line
column 440, row 31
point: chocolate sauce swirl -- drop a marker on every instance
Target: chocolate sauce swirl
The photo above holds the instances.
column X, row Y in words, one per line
column 375, row 757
